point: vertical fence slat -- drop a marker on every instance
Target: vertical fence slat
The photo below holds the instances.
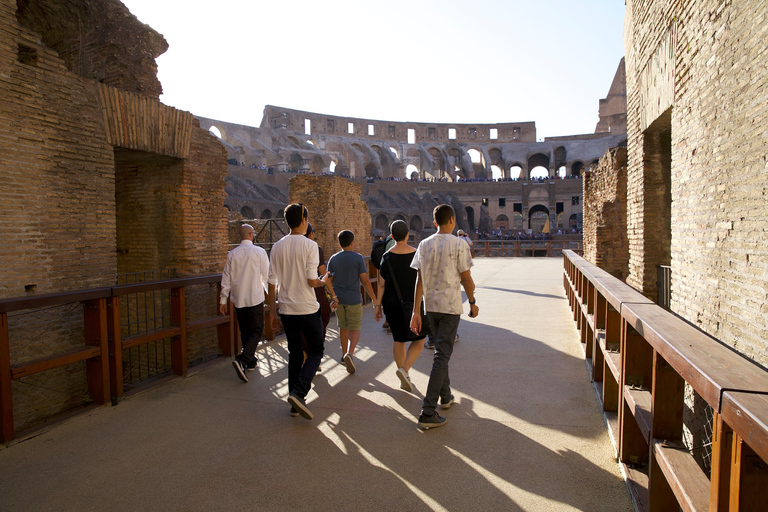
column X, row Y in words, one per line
column 97, row 368
column 6, row 397
column 179, row 343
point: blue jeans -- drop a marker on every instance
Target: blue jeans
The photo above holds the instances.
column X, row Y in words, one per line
column 444, row 327
column 301, row 373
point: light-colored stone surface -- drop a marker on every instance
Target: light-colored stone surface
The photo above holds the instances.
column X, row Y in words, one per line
column 526, row 432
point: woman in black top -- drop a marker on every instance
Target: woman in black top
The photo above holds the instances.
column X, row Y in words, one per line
column 396, row 266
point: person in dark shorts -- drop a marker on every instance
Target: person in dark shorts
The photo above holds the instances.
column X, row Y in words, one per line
column 396, row 268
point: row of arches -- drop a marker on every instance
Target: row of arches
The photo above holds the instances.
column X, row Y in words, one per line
column 382, row 221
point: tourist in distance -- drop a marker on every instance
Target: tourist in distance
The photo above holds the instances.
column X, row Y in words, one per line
column 326, row 306
column 293, row 275
column 245, row 278
column 396, row 270
column 347, row 271
column 443, row 263
column 461, row 234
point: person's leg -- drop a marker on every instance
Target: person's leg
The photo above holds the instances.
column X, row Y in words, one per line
column 250, row 332
column 354, row 323
column 412, row 354
column 398, row 351
column 291, row 324
column 312, row 327
column 444, row 328
column 341, row 317
column 354, row 337
column 344, row 338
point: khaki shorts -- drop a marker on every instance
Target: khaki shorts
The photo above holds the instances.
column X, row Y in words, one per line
column 350, row 317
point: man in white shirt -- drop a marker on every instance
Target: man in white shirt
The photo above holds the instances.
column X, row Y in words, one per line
column 292, row 277
column 443, row 262
column 245, row 277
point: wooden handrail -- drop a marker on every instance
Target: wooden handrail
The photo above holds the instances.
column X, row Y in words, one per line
column 103, row 344
column 658, row 353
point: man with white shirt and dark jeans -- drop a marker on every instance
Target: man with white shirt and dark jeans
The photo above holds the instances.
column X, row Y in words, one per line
column 245, row 277
column 443, row 262
column 292, row 279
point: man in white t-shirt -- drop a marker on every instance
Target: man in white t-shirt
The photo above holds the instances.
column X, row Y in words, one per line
column 443, row 262
column 292, row 277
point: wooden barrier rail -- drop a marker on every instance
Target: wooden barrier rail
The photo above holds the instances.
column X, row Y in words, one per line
column 519, row 248
column 641, row 357
column 103, row 345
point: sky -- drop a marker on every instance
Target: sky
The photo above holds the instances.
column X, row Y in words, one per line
column 439, row 61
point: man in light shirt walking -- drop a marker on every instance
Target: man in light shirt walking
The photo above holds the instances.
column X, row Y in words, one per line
column 245, row 278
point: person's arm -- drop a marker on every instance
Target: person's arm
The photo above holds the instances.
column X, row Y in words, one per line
column 225, row 287
column 368, row 288
column 417, row 294
column 379, row 294
column 272, row 294
column 469, row 288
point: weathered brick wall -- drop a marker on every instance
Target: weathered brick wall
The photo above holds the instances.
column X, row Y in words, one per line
column 605, row 214
column 706, row 61
column 334, row 204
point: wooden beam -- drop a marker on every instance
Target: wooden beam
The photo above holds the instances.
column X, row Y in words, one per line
column 48, row 363
column 115, row 350
column 96, row 335
column 6, row 397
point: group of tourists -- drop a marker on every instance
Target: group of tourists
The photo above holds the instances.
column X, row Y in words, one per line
column 419, row 293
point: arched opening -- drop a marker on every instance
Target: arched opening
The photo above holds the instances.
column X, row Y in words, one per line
column 538, row 160
column 295, row 162
column 502, row 221
column 416, row 223
column 478, row 162
column 470, row 217
column 538, row 216
column 573, row 222
column 576, row 168
column 560, row 156
column 371, row 170
column 561, row 171
column 381, row 222
column 560, row 220
column 317, row 165
column 515, row 172
column 496, row 172
column 266, row 214
column 332, row 167
column 215, row 131
column 394, row 152
column 246, row 212
column 412, row 172
column 399, row 216
column 539, row 173
column 518, row 221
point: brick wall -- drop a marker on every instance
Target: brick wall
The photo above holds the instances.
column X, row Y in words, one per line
column 334, row 204
column 704, row 64
column 605, row 214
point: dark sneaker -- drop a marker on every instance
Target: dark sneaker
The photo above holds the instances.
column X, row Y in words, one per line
column 429, row 344
column 350, row 364
column 385, row 325
column 457, row 338
column 294, row 412
column 405, row 380
column 434, row 421
column 251, row 367
column 444, row 404
column 239, row 369
column 298, row 403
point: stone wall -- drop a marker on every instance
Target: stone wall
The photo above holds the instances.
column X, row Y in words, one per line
column 697, row 78
column 98, row 178
column 334, row 204
column 605, row 214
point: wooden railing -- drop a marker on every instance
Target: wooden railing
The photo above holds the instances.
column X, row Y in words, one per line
column 519, row 248
column 641, row 357
column 103, row 344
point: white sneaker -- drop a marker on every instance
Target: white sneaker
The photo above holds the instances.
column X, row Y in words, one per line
column 405, row 380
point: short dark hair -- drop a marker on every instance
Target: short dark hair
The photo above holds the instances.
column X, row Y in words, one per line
column 443, row 214
column 294, row 213
column 346, row 238
column 399, row 230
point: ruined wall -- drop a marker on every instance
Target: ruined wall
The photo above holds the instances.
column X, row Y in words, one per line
column 605, row 214
column 96, row 180
column 334, row 204
column 699, row 71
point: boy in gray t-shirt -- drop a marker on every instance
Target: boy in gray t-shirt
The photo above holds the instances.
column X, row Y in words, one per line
column 347, row 271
